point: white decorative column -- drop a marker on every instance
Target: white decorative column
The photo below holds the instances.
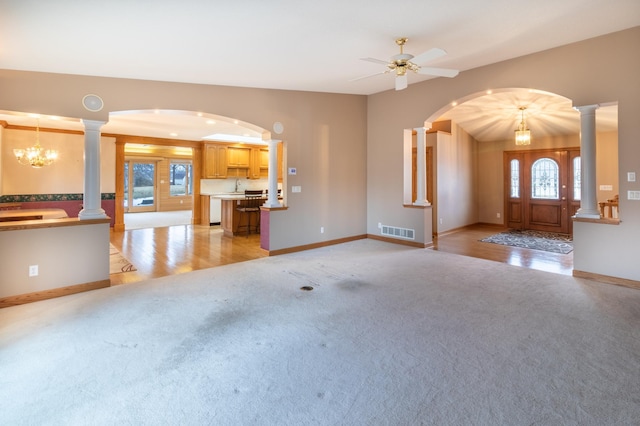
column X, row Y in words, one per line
column 588, row 199
column 421, row 167
column 91, row 203
column 272, row 199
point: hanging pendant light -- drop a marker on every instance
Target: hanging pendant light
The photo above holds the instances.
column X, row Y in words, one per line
column 523, row 135
column 36, row 156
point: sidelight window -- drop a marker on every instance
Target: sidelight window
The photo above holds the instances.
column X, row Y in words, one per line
column 515, row 179
column 577, row 179
column 545, row 179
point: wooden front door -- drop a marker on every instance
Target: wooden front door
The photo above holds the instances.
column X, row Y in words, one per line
column 540, row 189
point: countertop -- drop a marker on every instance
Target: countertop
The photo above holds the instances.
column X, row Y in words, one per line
column 232, row 196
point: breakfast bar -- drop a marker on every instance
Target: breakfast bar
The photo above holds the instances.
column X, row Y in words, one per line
column 230, row 216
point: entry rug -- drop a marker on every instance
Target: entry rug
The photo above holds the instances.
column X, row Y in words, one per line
column 117, row 262
column 536, row 240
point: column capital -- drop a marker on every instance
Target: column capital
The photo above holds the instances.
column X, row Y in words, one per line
column 587, row 108
column 93, row 124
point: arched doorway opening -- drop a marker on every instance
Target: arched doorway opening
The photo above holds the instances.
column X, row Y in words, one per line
column 469, row 176
column 161, row 162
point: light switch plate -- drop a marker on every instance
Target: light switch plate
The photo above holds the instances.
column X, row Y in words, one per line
column 631, row 176
column 296, row 189
column 633, row 195
column 292, row 170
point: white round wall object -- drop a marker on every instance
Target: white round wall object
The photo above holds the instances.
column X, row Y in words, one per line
column 92, row 103
column 278, row 127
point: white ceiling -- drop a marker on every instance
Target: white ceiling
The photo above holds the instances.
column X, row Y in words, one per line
column 293, row 45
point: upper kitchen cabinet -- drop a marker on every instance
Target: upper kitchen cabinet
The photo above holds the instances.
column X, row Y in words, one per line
column 259, row 163
column 224, row 160
column 238, row 157
column 215, row 161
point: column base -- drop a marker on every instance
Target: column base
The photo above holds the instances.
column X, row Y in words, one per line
column 587, row 214
column 92, row 214
column 272, row 204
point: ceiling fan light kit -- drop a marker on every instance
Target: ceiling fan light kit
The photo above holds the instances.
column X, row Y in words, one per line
column 403, row 62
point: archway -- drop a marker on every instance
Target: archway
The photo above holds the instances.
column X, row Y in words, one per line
column 489, row 119
column 175, row 137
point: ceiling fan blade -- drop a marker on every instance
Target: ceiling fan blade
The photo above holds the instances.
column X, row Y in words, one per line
column 369, row 75
column 438, row 72
column 429, row 55
column 401, row 82
column 375, row 61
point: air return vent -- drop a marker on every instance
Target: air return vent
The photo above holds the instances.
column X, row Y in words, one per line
column 394, row 231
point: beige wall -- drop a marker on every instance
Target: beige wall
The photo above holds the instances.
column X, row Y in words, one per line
column 325, row 137
column 348, row 149
column 65, row 176
column 594, row 71
column 65, row 256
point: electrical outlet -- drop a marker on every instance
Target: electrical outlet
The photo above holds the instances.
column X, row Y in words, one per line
column 322, row 229
column 440, row 221
column 498, row 215
column 33, row 270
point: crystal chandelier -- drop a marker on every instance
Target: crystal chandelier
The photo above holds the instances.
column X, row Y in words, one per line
column 523, row 135
column 36, row 156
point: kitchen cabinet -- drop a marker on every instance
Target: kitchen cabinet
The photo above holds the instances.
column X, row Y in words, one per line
column 259, row 163
column 224, row 160
column 215, row 161
column 238, row 157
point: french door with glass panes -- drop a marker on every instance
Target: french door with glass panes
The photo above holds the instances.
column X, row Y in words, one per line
column 139, row 186
column 542, row 189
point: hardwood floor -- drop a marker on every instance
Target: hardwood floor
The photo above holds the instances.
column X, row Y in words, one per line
column 467, row 242
column 159, row 252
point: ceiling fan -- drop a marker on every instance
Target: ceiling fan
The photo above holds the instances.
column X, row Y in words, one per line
column 403, row 62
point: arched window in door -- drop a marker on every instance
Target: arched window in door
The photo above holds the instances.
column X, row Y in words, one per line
column 545, row 179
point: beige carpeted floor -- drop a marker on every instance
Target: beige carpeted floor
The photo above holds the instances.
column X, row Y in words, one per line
column 389, row 335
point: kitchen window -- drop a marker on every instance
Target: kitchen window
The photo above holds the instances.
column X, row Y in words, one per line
column 181, row 178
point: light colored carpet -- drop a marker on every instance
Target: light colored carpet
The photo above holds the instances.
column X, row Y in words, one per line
column 117, row 262
column 156, row 219
column 389, row 335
